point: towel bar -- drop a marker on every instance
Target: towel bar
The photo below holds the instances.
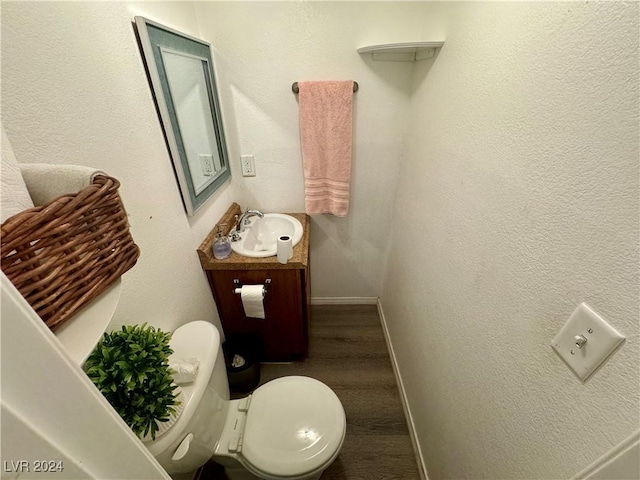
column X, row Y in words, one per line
column 296, row 89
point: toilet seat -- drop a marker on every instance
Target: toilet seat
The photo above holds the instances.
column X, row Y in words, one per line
column 295, row 426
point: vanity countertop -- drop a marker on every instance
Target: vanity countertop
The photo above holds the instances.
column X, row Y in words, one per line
column 299, row 260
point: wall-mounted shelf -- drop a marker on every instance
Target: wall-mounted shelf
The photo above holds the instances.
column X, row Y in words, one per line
column 401, row 52
column 81, row 333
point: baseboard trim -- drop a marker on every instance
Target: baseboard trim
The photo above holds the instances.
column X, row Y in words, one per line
column 344, row 300
column 619, row 462
column 403, row 396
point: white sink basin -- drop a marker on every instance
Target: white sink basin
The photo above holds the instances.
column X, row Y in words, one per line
column 260, row 237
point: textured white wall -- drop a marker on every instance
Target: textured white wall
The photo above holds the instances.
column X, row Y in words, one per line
column 517, row 200
column 74, row 90
column 263, row 48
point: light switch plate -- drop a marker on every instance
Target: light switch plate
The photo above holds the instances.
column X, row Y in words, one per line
column 601, row 341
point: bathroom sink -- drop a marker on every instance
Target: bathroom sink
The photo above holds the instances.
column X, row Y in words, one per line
column 260, row 237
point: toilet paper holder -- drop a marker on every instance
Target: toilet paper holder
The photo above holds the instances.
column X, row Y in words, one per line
column 237, row 284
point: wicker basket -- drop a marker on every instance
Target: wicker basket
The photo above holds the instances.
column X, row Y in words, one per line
column 63, row 254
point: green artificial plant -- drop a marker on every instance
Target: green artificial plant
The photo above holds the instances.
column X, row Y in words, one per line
column 131, row 368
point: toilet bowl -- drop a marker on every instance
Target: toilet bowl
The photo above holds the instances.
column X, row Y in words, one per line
column 289, row 428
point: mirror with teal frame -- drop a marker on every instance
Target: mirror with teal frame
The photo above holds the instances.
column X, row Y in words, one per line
column 182, row 77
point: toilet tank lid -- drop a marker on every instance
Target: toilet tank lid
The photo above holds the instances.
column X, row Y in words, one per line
column 198, row 339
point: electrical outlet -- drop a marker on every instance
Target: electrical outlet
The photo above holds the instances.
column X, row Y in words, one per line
column 248, row 166
column 206, row 164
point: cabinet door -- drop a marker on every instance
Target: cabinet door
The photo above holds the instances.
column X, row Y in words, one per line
column 282, row 330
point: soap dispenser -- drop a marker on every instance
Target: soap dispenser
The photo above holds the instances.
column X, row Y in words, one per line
column 221, row 245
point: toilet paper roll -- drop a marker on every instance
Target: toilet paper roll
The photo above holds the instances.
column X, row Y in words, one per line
column 252, row 300
column 285, row 248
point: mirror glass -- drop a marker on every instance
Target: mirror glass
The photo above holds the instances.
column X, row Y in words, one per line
column 182, row 77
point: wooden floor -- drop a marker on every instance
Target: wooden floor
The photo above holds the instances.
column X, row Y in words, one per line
column 347, row 351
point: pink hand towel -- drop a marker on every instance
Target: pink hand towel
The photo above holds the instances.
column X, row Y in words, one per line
column 326, row 125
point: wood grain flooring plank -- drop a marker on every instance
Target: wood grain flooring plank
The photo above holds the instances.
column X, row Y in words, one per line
column 345, row 315
column 348, row 342
column 371, row 457
column 362, row 469
column 373, row 411
column 365, row 373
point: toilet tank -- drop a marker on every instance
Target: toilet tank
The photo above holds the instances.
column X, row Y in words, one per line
column 206, row 403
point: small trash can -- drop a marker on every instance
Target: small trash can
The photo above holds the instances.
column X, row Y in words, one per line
column 243, row 369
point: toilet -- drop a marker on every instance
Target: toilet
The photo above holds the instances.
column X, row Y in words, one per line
column 289, row 428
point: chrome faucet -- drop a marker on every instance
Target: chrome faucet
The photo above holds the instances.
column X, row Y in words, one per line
column 243, row 221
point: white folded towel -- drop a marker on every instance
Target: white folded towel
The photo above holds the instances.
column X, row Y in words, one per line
column 47, row 181
column 14, row 196
column 184, row 370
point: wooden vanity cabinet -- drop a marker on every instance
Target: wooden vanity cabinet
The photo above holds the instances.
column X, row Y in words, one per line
column 283, row 333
